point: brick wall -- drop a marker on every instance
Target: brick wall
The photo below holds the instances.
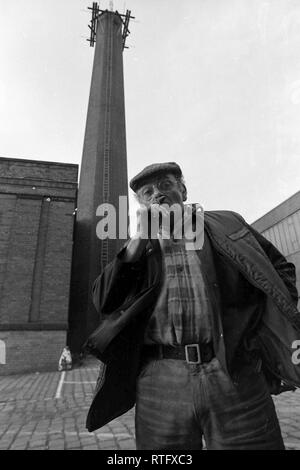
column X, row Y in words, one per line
column 19, row 259
column 33, row 169
column 37, row 203
column 30, row 351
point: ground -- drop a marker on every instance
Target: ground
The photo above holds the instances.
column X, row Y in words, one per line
column 48, row 411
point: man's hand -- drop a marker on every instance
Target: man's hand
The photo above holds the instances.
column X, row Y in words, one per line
column 148, row 225
column 138, row 242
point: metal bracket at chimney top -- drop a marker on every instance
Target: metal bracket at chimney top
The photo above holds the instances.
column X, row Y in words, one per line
column 96, row 12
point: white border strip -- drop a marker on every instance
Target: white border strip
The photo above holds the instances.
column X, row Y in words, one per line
column 60, row 384
column 79, row 382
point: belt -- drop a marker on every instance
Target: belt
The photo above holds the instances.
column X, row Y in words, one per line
column 191, row 353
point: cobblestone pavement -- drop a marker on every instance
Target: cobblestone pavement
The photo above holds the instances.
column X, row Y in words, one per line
column 48, row 411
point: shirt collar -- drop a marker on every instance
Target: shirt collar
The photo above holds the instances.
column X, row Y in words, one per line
column 193, row 236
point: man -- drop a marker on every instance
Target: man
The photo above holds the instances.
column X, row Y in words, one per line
column 197, row 338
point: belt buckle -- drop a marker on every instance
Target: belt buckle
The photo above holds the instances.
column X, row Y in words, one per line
column 186, row 347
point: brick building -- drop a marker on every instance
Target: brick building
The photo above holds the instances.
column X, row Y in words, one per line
column 37, row 203
column 281, row 226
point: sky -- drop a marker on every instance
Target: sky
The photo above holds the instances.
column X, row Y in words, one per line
column 211, row 84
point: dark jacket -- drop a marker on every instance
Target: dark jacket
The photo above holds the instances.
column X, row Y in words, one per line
column 252, row 288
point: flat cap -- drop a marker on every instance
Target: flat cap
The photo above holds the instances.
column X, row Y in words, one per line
column 154, row 170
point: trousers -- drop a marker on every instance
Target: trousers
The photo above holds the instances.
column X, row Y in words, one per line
column 180, row 404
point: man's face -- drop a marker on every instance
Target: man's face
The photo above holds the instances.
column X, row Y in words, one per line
column 163, row 189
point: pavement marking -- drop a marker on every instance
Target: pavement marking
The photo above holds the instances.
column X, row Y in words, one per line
column 79, row 382
column 60, row 384
column 110, row 434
